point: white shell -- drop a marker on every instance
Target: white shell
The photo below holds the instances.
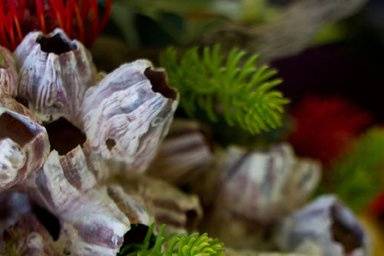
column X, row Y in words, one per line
column 266, row 186
column 24, row 147
column 180, row 212
column 316, row 224
column 94, row 223
column 125, row 119
column 8, row 73
column 255, row 191
column 54, row 74
column 183, row 155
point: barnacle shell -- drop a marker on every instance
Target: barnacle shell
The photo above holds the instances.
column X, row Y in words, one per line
column 183, row 155
column 327, row 224
column 266, row 186
column 54, row 74
column 256, row 190
column 179, row 211
column 24, row 147
column 93, row 222
column 127, row 114
column 8, row 73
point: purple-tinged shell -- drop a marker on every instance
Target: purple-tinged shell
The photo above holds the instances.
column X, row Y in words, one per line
column 326, row 224
column 256, row 189
column 180, row 212
column 126, row 116
column 183, row 155
column 265, row 186
column 8, row 73
column 24, row 147
column 93, row 223
column 54, row 74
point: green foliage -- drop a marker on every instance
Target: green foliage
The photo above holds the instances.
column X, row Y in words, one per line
column 358, row 177
column 233, row 87
column 177, row 245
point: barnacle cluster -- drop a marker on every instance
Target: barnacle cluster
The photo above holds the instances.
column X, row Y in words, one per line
column 82, row 160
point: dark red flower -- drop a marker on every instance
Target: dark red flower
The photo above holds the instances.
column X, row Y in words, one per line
column 377, row 207
column 325, row 127
column 80, row 19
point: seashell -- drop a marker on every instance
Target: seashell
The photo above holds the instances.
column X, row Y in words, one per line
column 93, row 223
column 327, row 224
column 179, row 211
column 127, row 114
column 257, row 189
column 183, row 155
column 54, row 74
column 265, row 186
column 24, row 146
column 8, row 73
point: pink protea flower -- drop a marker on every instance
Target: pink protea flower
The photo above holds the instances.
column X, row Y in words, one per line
column 80, row 19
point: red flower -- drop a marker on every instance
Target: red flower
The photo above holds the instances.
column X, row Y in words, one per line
column 80, row 19
column 325, row 127
column 377, row 206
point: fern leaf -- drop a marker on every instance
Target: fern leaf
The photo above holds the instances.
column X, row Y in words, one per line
column 178, row 245
column 233, row 88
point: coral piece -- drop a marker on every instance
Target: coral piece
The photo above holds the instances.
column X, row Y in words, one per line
column 8, row 73
column 255, row 191
column 327, row 224
column 179, row 211
column 23, row 150
column 54, row 74
column 183, row 155
column 127, row 114
column 92, row 222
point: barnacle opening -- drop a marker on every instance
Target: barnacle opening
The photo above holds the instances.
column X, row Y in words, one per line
column 159, row 83
column 345, row 234
column 55, row 44
column 48, row 220
column 64, row 136
column 111, row 143
column 13, row 128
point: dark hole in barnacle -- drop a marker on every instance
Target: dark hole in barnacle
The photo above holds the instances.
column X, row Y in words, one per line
column 134, row 238
column 191, row 219
column 13, row 128
column 55, row 44
column 159, row 83
column 350, row 237
column 22, row 101
column 64, row 136
column 110, row 143
column 48, row 220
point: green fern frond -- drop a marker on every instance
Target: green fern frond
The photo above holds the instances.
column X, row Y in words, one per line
column 232, row 87
column 178, row 245
column 358, row 174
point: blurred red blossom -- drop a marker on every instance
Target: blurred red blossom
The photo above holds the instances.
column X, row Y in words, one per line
column 80, row 19
column 324, row 128
column 377, row 206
